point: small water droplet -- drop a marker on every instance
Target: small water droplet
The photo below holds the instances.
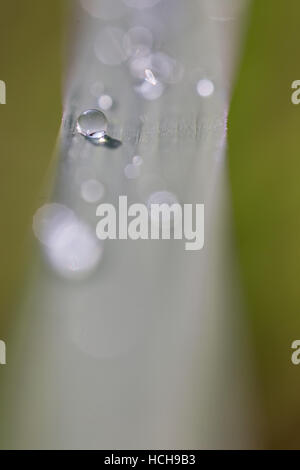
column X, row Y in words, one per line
column 92, row 124
column 150, row 77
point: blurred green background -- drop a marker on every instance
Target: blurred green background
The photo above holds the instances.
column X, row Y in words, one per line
column 264, row 167
column 31, row 66
column 264, row 164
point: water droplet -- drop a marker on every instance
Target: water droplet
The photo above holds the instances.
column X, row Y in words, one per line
column 150, row 77
column 92, row 124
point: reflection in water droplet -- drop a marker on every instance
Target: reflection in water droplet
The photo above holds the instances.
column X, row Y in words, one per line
column 109, row 46
column 138, row 42
column 92, row 191
column 70, row 246
column 205, row 87
column 92, row 124
column 105, row 102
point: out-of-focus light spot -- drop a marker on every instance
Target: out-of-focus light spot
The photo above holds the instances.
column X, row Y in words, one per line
column 150, row 92
column 132, row 171
column 105, row 102
column 165, row 68
column 137, row 160
column 104, row 9
column 141, row 4
column 70, row 246
column 162, row 197
column 139, row 65
column 92, row 191
column 109, row 46
column 48, row 218
column 159, row 65
column 205, row 87
column 97, row 89
column 138, row 42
